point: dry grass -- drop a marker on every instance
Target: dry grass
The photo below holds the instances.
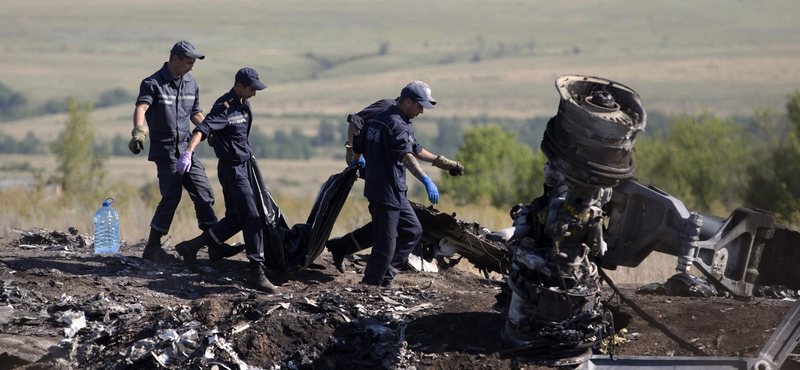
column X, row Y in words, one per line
column 25, row 209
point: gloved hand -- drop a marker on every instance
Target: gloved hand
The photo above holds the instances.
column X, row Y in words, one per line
column 138, row 135
column 360, row 161
column 455, row 168
column 430, row 187
column 184, row 163
column 348, row 154
column 458, row 171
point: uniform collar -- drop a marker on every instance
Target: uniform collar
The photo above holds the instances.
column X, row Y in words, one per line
column 168, row 76
column 400, row 112
column 233, row 99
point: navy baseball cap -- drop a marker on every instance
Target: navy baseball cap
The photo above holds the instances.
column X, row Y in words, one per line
column 420, row 92
column 249, row 77
column 186, row 48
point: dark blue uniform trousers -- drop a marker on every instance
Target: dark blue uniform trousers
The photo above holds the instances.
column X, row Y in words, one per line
column 356, row 240
column 396, row 232
column 241, row 212
column 360, row 239
column 171, row 185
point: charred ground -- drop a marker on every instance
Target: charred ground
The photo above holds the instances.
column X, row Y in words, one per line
column 143, row 315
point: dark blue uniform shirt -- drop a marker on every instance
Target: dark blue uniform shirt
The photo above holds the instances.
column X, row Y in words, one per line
column 367, row 113
column 172, row 104
column 230, row 120
column 384, row 140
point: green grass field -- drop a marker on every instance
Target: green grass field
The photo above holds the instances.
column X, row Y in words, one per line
column 496, row 58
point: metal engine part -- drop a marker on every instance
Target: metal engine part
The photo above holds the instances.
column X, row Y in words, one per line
column 737, row 253
column 555, row 315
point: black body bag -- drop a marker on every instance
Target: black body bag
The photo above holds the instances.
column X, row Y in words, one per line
column 293, row 249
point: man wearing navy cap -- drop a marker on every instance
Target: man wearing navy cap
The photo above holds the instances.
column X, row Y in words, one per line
column 362, row 237
column 168, row 101
column 230, row 120
column 387, row 143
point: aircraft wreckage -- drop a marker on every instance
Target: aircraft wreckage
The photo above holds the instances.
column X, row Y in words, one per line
column 593, row 215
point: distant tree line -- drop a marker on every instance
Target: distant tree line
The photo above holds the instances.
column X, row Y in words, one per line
column 283, row 144
column 330, row 137
column 30, row 144
column 14, row 105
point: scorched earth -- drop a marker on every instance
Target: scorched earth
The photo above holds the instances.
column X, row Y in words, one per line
column 64, row 307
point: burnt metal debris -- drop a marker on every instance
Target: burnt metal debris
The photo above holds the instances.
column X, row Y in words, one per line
column 555, row 315
column 593, row 215
column 445, row 236
column 54, row 239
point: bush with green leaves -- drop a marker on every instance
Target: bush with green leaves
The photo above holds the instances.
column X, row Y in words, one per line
column 80, row 165
column 498, row 169
column 701, row 160
column 775, row 173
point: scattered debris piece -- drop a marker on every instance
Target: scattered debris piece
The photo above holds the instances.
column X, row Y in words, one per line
column 688, row 285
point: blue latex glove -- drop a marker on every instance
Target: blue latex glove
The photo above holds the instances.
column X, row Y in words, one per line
column 360, row 161
column 430, row 187
column 184, row 163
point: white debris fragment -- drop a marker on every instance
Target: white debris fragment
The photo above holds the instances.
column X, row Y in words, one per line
column 419, row 307
column 241, row 328
column 222, row 344
column 284, row 305
column 169, row 335
column 390, row 301
column 420, row 264
column 141, row 349
column 74, row 321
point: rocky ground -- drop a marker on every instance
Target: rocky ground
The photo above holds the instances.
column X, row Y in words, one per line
column 64, row 307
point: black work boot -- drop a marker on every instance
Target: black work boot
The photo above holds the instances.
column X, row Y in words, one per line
column 257, row 279
column 216, row 252
column 153, row 250
column 188, row 250
column 334, row 246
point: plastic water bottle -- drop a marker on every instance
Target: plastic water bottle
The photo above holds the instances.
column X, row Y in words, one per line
column 106, row 229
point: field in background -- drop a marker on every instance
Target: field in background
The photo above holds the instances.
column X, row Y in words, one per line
column 480, row 57
column 322, row 58
column 494, row 58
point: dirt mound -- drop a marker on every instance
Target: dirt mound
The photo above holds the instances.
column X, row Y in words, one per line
column 64, row 307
